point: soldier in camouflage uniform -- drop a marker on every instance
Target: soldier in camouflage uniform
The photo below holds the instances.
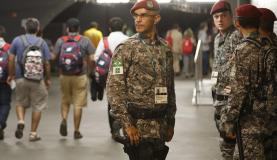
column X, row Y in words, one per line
column 224, row 45
column 268, row 36
column 140, row 87
column 243, row 104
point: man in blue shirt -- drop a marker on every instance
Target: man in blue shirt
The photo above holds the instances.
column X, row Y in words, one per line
column 31, row 84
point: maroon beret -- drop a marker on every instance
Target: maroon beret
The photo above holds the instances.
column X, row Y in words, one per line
column 267, row 15
column 147, row 4
column 220, row 6
column 248, row 11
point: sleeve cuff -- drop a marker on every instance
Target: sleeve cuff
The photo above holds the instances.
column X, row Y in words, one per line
column 171, row 122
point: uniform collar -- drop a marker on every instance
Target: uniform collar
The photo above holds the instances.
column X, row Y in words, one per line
column 228, row 31
column 147, row 40
column 273, row 36
column 254, row 35
column 223, row 36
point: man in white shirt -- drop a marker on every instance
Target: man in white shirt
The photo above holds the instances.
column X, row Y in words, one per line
column 114, row 39
column 176, row 48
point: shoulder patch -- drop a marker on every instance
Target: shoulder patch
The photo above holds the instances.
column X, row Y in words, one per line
column 117, row 67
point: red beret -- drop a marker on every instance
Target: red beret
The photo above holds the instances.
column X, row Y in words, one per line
column 248, row 11
column 220, row 6
column 147, row 4
column 267, row 15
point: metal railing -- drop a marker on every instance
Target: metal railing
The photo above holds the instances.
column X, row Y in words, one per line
column 198, row 72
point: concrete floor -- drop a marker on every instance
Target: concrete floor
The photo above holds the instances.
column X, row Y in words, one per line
column 195, row 137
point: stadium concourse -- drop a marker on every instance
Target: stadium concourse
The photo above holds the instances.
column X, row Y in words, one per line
column 195, row 138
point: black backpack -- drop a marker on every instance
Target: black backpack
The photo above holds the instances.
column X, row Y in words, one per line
column 266, row 80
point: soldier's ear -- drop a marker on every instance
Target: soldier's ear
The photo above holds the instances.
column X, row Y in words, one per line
column 236, row 23
column 157, row 19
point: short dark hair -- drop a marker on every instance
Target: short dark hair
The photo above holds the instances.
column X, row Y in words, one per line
column 94, row 24
column 266, row 25
column 2, row 31
column 249, row 22
column 116, row 24
column 73, row 24
column 32, row 25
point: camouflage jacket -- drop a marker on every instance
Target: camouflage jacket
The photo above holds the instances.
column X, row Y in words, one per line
column 224, row 45
column 244, row 75
column 138, row 66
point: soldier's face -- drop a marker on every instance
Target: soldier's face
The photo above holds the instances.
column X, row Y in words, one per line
column 222, row 20
column 145, row 20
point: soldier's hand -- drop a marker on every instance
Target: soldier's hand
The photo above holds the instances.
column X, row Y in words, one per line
column 170, row 134
column 133, row 135
column 231, row 135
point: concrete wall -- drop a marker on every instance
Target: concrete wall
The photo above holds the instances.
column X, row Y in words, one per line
column 14, row 11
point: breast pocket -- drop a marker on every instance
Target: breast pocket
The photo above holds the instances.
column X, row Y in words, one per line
column 145, row 76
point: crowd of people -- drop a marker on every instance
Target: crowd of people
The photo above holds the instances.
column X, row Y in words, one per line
column 183, row 45
column 140, row 78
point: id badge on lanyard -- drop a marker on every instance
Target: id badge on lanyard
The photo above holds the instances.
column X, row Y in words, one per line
column 161, row 95
column 214, row 77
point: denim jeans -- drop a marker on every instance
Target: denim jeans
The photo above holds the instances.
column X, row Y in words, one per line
column 5, row 100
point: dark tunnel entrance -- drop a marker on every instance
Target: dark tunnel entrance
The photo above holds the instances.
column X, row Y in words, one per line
column 87, row 12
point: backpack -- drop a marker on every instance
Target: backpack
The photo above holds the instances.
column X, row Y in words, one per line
column 32, row 61
column 103, row 62
column 70, row 59
column 265, row 79
column 187, row 46
column 169, row 40
column 4, row 59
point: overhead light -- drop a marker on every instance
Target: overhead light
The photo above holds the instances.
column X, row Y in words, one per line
column 163, row 1
column 202, row 1
column 127, row 1
column 112, row 1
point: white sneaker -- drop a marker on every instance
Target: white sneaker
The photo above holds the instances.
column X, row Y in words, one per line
column 34, row 137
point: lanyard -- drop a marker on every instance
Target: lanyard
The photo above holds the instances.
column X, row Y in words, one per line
column 153, row 62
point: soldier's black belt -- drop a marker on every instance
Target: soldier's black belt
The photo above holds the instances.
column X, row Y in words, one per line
column 138, row 112
column 221, row 97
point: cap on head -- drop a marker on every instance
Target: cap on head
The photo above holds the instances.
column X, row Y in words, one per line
column 220, row 6
column 267, row 15
column 248, row 11
column 151, row 5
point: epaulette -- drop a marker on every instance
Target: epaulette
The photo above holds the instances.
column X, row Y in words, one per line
column 163, row 41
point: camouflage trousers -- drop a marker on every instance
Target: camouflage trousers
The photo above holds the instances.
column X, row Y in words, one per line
column 253, row 148
column 271, row 147
column 227, row 149
column 227, row 146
